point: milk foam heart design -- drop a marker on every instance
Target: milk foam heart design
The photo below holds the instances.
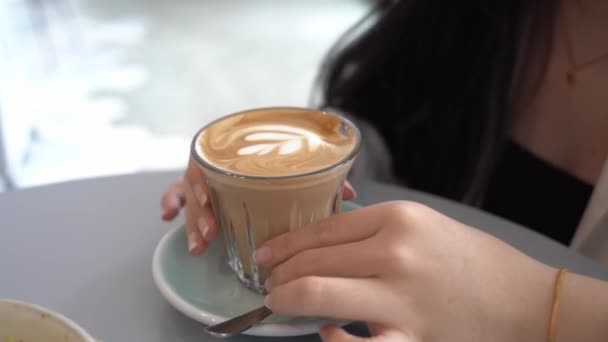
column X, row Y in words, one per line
column 285, row 138
column 276, row 142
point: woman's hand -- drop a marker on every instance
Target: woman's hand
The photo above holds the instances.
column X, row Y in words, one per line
column 190, row 191
column 412, row 274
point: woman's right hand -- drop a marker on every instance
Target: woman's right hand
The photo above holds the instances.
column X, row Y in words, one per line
column 411, row 273
column 190, row 192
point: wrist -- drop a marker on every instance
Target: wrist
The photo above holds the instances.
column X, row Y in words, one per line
column 583, row 312
column 535, row 307
column 527, row 302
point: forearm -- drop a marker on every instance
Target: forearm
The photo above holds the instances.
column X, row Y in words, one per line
column 583, row 312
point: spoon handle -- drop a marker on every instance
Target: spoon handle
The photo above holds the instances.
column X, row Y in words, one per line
column 239, row 324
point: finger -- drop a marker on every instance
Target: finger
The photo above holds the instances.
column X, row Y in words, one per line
column 173, row 199
column 347, row 227
column 353, row 260
column 333, row 333
column 200, row 220
column 349, row 192
column 196, row 242
column 337, row 298
column 196, row 180
column 207, row 224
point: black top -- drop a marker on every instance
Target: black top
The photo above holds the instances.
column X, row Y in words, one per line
column 528, row 190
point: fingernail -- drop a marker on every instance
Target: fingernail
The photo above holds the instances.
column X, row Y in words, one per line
column 323, row 332
column 200, row 194
column 266, row 302
column 268, row 284
column 203, row 199
column 203, row 226
column 174, row 202
column 192, row 242
column 262, row 255
column 354, row 192
column 350, row 187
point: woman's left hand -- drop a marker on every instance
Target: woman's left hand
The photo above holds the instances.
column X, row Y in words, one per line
column 412, row 274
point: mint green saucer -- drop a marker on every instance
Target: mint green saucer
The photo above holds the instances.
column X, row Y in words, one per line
column 205, row 289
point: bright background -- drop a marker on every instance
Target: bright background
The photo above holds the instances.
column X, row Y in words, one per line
column 101, row 87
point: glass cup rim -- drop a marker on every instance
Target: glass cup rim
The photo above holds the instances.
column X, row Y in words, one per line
column 344, row 161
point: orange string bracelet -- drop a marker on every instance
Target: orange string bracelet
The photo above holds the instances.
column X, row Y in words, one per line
column 556, row 302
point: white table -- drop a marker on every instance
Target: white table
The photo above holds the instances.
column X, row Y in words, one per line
column 84, row 249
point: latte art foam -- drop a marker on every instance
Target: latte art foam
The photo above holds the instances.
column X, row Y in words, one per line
column 276, row 142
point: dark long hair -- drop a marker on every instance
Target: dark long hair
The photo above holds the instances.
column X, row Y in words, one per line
column 439, row 80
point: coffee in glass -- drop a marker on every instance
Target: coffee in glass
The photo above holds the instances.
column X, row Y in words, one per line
column 272, row 170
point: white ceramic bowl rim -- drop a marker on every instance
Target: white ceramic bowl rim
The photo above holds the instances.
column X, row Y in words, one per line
column 37, row 308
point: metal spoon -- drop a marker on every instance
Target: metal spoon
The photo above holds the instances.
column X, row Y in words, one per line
column 238, row 324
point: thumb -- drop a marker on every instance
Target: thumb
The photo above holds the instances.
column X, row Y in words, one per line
column 333, row 333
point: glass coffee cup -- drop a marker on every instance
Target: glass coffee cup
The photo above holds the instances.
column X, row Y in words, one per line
column 269, row 171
